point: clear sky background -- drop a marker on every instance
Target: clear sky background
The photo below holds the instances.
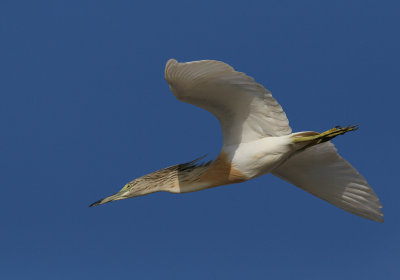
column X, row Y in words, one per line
column 84, row 108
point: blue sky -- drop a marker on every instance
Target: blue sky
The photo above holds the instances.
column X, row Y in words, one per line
column 84, row 108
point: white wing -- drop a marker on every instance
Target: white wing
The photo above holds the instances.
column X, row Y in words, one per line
column 245, row 109
column 320, row 171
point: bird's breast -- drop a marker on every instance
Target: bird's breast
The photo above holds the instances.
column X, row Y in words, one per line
column 222, row 172
column 259, row 157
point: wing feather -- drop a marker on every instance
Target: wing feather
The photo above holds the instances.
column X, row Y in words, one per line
column 321, row 171
column 245, row 109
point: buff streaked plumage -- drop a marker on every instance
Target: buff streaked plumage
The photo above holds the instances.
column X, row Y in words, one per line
column 168, row 179
column 257, row 139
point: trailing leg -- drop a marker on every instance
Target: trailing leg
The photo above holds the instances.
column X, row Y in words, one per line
column 314, row 138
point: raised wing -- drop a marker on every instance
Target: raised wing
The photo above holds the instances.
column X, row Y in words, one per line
column 320, row 171
column 245, row 109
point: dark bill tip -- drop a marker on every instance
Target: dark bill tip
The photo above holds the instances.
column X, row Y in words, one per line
column 96, row 203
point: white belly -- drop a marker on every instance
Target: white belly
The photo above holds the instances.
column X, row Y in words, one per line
column 260, row 157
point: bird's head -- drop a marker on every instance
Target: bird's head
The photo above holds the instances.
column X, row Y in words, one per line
column 132, row 189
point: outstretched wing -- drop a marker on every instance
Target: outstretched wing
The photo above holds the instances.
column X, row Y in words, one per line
column 245, row 109
column 320, row 171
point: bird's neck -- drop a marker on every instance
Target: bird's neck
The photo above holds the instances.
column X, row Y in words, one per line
column 219, row 172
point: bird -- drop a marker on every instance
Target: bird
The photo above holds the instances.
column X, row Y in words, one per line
column 257, row 140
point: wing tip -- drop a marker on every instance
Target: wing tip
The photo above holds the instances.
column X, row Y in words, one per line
column 375, row 217
column 170, row 63
column 379, row 217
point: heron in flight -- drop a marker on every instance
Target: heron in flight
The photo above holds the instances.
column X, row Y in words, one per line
column 257, row 139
